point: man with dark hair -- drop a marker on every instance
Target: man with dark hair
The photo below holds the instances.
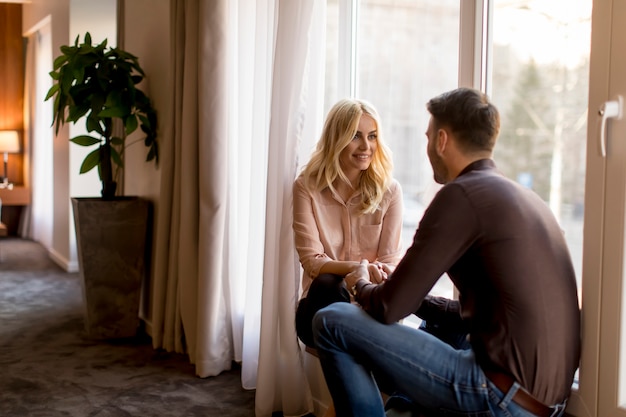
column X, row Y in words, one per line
column 518, row 304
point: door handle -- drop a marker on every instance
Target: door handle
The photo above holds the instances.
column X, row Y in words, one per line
column 609, row 110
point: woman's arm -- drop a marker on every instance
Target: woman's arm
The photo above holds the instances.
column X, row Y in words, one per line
column 338, row 267
column 377, row 271
column 306, row 233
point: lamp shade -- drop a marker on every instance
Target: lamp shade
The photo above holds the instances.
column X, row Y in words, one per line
column 9, row 141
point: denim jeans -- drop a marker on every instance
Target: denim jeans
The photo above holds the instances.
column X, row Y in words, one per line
column 361, row 356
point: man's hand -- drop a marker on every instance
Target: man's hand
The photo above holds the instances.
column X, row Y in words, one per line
column 361, row 272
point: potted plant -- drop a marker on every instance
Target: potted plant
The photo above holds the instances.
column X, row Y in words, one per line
column 98, row 84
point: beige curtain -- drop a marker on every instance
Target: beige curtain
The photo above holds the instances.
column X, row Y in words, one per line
column 188, row 312
column 245, row 100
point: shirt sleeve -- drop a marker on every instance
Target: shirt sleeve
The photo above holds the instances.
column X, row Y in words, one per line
column 447, row 229
column 307, row 237
column 390, row 245
column 444, row 312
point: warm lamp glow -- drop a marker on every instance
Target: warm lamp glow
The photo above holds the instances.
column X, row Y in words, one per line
column 9, row 143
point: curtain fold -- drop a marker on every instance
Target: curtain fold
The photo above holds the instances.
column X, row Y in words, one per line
column 215, row 338
column 172, row 248
column 226, row 277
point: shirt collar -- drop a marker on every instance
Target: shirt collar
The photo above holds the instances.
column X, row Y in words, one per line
column 481, row 164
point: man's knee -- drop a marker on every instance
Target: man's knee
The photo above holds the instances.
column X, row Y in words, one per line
column 331, row 316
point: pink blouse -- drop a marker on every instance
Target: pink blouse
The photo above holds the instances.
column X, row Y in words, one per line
column 328, row 229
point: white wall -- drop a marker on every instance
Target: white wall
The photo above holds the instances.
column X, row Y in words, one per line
column 99, row 18
column 150, row 42
column 63, row 250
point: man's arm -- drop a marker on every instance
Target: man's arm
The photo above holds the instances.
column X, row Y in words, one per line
column 447, row 230
column 442, row 311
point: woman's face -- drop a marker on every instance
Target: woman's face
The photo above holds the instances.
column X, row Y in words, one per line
column 357, row 156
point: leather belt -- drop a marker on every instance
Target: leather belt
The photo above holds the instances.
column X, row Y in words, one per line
column 521, row 397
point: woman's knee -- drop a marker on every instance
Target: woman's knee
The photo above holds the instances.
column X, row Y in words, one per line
column 325, row 282
column 326, row 289
column 304, row 317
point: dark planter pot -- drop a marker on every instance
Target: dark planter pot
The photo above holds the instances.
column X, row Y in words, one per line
column 112, row 239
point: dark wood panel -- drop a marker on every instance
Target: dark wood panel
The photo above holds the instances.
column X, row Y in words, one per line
column 12, row 75
column 18, row 196
column 11, row 217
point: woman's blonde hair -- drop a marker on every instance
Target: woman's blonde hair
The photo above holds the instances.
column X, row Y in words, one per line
column 324, row 167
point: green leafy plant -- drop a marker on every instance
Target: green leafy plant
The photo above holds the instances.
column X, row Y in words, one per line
column 99, row 84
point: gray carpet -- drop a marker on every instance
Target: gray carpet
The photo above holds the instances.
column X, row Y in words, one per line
column 49, row 368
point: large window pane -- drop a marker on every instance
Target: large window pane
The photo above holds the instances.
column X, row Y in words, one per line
column 540, row 84
column 331, row 76
column 407, row 52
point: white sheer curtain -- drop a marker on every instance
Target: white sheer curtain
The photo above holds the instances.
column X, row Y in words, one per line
column 245, row 101
column 295, row 117
column 38, row 219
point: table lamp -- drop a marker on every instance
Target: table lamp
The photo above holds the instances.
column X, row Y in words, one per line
column 9, row 143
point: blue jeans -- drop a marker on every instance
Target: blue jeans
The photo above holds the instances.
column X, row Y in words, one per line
column 361, row 356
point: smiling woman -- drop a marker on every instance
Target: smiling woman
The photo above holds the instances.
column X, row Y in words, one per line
column 347, row 207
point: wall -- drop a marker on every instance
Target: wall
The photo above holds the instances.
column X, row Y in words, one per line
column 98, row 17
column 150, row 42
column 63, row 249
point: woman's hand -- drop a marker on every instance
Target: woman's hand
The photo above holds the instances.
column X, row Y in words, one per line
column 375, row 272
column 378, row 272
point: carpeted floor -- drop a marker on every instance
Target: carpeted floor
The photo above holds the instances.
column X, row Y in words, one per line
column 49, row 368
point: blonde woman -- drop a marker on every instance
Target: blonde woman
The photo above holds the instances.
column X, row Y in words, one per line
column 347, row 207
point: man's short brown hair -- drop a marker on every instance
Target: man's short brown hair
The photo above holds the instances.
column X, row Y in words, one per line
column 470, row 115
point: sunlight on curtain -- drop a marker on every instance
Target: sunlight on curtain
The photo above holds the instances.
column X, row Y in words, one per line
column 250, row 38
column 280, row 72
column 39, row 135
column 247, row 102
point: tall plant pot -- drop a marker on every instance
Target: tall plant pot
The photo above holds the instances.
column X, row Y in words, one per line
column 111, row 237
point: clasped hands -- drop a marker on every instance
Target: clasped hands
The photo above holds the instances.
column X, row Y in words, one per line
column 375, row 272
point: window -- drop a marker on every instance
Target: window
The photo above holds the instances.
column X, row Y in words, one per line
column 397, row 55
column 540, row 82
column 534, row 59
